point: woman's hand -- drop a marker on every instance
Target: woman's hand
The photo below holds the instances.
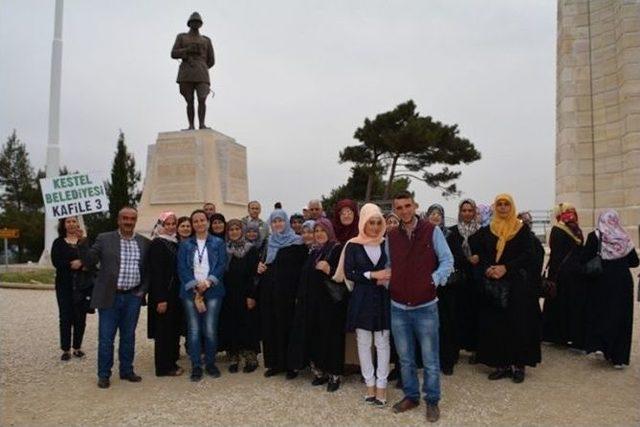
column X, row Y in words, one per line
column 381, row 275
column 262, row 267
column 76, row 264
column 324, row 267
column 474, row 259
column 499, row 271
column 251, row 303
column 161, row 308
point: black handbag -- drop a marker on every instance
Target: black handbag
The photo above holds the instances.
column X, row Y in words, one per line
column 548, row 285
column 593, row 267
column 337, row 291
column 455, row 278
column 496, row 292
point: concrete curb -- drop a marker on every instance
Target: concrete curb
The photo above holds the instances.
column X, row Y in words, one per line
column 31, row 286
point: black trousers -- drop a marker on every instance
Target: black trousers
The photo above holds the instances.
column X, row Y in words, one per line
column 72, row 316
column 167, row 339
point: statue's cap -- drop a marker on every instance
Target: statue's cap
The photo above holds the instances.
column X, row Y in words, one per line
column 195, row 16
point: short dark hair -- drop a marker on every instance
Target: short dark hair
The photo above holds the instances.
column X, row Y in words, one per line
column 181, row 220
column 197, row 211
column 209, row 203
column 403, row 195
column 125, row 207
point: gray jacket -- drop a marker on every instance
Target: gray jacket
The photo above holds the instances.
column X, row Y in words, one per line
column 106, row 252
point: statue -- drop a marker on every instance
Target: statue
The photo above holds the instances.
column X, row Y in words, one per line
column 197, row 56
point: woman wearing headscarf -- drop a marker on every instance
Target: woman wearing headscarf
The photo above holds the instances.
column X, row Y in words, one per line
column 462, row 237
column 239, row 335
column 610, row 294
column 165, row 319
column 363, row 264
column 393, row 221
column 306, row 233
column 277, row 289
column 449, row 347
column 508, row 337
column 318, row 333
column 563, row 320
column 218, row 225
column 345, row 220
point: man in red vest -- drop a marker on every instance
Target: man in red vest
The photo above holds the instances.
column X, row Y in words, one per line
column 420, row 261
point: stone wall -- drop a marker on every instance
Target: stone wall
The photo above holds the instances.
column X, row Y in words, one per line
column 598, row 108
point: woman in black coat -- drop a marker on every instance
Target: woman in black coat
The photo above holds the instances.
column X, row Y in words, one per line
column 239, row 323
column 70, row 283
column 277, row 290
column 610, row 294
column 318, row 333
column 508, row 338
column 563, row 316
column 165, row 319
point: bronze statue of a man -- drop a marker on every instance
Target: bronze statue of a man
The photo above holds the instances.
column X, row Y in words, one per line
column 197, row 56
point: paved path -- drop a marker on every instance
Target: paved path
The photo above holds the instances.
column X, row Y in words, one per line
column 36, row 388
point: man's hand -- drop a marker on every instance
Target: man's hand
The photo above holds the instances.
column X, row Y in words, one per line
column 202, row 286
column 251, row 303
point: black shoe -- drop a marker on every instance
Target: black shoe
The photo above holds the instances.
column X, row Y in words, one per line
column 291, row 375
column 78, row 353
column 132, row 377
column 333, row 385
column 447, row 370
column 196, row 374
column 65, row 356
column 271, row 372
column 213, row 371
column 500, row 373
column 249, row 367
column 518, row 376
column 104, row 382
column 233, row 368
column 320, row 380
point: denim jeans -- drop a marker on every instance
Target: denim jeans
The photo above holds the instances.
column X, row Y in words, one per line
column 202, row 324
column 123, row 316
column 422, row 325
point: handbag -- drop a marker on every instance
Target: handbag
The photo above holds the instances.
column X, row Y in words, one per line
column 593, row 267
column 456, row 277
column 496, row 292
column 548, row 285
column 337, row 291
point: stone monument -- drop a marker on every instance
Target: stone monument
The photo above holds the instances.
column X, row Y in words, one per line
column 185, row 169
column 598, row 109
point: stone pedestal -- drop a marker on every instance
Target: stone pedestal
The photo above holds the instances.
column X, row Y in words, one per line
column 185, row 169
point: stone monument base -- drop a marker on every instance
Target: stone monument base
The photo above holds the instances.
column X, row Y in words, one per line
column 186, row 169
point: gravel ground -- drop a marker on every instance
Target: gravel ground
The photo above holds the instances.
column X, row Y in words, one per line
column 36, row 388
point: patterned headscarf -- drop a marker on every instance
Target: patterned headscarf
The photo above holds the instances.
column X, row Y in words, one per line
column 467, row 229
column 505, row 227
column 253, row 226
column 280, row 240
column 321, row 251
column 345, row 232
column 237, row 248
column 158, row 229
column 567, row 218
column 616, row 242
column 485, row 213
column 438, row 208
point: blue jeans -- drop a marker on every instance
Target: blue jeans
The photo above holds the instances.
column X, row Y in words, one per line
column 422, row 325
column 202, row 324
column 123, row 316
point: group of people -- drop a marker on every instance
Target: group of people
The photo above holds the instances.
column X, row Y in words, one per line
column 299, row 289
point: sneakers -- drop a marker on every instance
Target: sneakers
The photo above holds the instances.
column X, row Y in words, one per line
column 320, row 380
column 433, row 413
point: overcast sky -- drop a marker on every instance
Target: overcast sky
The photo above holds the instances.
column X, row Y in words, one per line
column 293, row 80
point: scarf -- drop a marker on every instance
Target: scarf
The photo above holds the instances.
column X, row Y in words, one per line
column 322, row 251
column 253, row 226
column 467, row 229
column 505, row 227
column 345, row 232
column 367, row 212
column 438, row 208
column 158, row 230
column 567, row 219
column 484, row 214
column 237, row 248
column 615, row 241
column 280, row 240
column 220, row 217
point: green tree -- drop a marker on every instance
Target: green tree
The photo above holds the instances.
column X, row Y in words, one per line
column 403, row 143
column 20, row 201
column 122, row 190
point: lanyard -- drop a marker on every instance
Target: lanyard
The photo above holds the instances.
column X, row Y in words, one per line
column 201, row 253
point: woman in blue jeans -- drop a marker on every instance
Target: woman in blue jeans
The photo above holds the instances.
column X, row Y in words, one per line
column 201, row 263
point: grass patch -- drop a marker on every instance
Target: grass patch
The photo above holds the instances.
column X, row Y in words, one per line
column 35, row 276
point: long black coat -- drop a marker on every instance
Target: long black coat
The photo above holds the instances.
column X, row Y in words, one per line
column 510, row 336
column 164, row 286
column 318, row 330
column 277, row 290
column 610, row 305
column 564, row 315
column 239, row 326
